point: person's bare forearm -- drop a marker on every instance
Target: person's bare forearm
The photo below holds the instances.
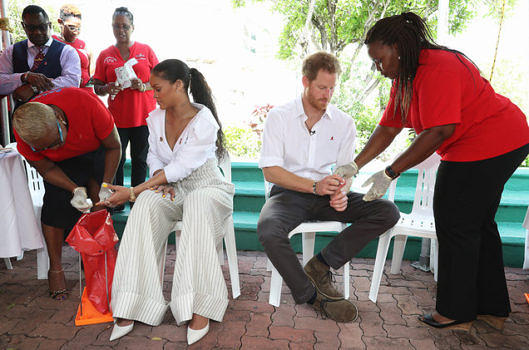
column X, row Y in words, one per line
column 112, row 158
column 424, row 145
column 54, row 175
column 288, row 180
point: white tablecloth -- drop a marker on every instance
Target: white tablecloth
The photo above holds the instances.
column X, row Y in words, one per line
column 526, row 225
column 19, row 228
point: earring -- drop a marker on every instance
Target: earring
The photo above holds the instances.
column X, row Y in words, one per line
column 399, row 57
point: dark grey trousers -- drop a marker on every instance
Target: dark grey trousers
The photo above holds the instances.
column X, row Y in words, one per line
column 287, row 209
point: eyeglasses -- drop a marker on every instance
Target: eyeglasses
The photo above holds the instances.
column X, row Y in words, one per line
column 125, row 27
column 34, row 27
column 56, row 143
column 73, row 27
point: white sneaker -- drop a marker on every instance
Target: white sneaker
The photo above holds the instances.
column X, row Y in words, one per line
column 118, row 332
column 194, row 335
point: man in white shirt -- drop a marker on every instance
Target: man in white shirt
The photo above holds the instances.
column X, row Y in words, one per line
column 302, row 140
column 39, row 63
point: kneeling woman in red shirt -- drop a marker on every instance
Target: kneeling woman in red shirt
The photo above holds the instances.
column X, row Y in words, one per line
column 482, row 138
column 69, row 136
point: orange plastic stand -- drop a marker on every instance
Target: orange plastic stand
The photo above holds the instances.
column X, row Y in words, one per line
column 527, row 297
column 90, row 314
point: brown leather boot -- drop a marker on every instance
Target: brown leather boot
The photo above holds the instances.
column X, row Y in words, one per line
column 338, row 310
column 321, row 276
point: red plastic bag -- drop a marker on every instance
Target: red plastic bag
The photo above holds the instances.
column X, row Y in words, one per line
column 94, row 237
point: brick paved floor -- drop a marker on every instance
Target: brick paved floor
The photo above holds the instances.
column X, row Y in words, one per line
column 29, row 319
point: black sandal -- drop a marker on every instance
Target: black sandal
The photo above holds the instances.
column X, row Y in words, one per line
column 455, row 325
column 60, row 294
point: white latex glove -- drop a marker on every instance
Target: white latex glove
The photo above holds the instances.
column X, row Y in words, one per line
column 347, row 171
column 379, row 182
column 80, row 200
column 105, row 192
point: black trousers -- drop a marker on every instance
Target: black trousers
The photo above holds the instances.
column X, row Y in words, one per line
column 287, row 209
column 139, row 147
column 471, row 278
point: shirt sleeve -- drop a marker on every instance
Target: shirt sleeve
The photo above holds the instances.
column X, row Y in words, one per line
column 103, row 120
column 347, row 148
column 71, row 68
column 194, row 153
column 272, row 150
column 391, row 116
column 439, row 99
column 153, row 60
column 99, row 73
column 9, row 81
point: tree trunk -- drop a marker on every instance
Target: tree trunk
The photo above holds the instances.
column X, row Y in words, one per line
column 306, row 34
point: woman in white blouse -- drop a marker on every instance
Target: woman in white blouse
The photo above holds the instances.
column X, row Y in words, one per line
column 185, row 140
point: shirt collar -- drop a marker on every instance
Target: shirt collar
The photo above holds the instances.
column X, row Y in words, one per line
column 48, row 43
column 300, row 112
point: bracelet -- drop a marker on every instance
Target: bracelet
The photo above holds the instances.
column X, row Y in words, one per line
column 391, row 173
column 143, row 87
column 132, row 196
column 314, row 184
column 24, row 77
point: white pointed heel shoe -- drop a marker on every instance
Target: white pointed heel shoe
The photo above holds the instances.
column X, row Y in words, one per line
column 194, row 335
column 118, row 332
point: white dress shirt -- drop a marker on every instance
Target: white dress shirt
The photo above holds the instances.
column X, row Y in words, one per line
column 69, row 60
column 287, row 143
column 193, row 148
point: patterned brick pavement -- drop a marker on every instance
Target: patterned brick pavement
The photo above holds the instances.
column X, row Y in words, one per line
column 29, row 319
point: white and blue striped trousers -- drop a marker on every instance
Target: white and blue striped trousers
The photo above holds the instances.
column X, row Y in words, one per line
column 203, row 201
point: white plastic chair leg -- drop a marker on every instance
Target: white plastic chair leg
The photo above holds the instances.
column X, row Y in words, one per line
column 43, row 263
column 275, row 288
column 269, row 266
column 346, row 282
column 308, row 239
column 378, row 270
column 8, row 263
column 399, row 243
column 231, row 252
column 434, row 258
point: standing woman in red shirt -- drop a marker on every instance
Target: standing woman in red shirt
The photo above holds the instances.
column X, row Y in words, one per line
column 129, row 106
column 70, row 23
column 482, row 138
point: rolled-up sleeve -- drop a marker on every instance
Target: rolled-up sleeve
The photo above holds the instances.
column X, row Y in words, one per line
column 272, row 151
column 71, row 69
column 9, row 81
column 194, row 152
column 347, row 148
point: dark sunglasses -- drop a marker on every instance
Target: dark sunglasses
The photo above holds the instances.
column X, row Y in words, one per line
column 56, row 143
column 33, row 27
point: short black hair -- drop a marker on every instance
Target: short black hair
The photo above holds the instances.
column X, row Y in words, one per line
column 123, row 11
column 34, row 10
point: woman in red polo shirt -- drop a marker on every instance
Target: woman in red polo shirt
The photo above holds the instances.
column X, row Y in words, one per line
column 69, row 136
column 482, row 138
column 70, row 23
column 129, row 106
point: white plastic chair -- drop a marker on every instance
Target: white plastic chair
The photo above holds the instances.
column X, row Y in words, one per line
column 229, row 238
column 36, row 190
column 308, row 232
column 419, row 223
